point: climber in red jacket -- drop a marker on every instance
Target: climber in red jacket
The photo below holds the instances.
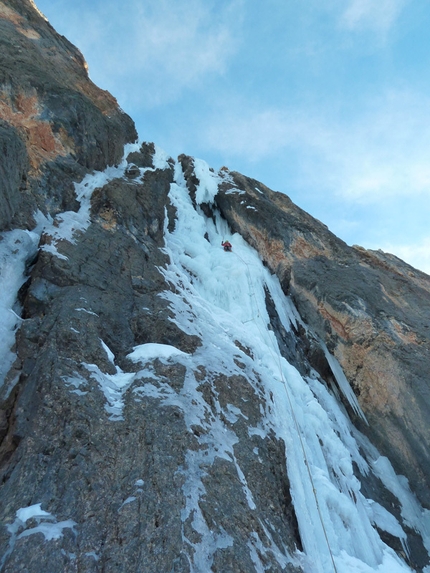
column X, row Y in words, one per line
column 226, row 245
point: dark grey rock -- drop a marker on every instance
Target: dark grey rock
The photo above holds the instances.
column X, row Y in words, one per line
column 56, row 123
column 143, row 157
column 13, row 174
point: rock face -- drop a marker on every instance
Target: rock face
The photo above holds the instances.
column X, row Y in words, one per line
column 371, row 309
column 56, row 124
column 150, row 422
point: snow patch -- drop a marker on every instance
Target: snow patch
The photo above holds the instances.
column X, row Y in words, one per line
column 150, row 351
column 47, row 524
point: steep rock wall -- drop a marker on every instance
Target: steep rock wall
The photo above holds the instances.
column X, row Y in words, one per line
column 108, row 448
column 56, row 124
column 371, row 309
column 109, row 461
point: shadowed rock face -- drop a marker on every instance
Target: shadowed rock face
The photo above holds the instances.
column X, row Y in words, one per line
column 106, row 446
column 371, row 309
column 121, row 479
column 57, row 125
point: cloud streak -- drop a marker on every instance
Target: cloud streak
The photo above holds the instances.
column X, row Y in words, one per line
column 380, row 152
column 378, row 16
column 416, row 254
column 148, row 53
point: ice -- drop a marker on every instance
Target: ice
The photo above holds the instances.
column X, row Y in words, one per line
column 47, row 525
column 385, row 521
column 343, row 382
column 86, row 310
column 150, row 351
column 69, row 223
column 160, row 158
column 257, row 550
column 110, row 354
column 208, row 182
column 221, row 297
column 113, row 387
column 92, row 554
column 76, row 382
column 127, row 501
column 35, row 511
column 16, row 248
column 49, row 530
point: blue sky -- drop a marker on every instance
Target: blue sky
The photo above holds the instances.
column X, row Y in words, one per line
column 328, row 102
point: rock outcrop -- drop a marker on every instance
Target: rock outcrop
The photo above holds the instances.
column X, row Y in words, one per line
column 56, row 124
column 151, row 423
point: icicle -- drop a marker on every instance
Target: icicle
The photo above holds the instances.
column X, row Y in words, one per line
column 343, row 383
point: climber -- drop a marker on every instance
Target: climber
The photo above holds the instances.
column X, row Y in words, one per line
column 226, row 245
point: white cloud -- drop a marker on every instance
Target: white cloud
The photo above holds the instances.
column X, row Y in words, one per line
column 381, row 152
column 417, row 254
column 253, row 133
column 377, row 15
column 149, row 52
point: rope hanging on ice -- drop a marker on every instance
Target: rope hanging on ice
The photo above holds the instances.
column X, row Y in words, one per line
column 276, row 355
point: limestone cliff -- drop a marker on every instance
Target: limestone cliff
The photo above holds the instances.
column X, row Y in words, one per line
column 169, row 407
column 55, row 123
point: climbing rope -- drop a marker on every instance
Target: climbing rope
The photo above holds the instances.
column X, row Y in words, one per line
column 276, row 355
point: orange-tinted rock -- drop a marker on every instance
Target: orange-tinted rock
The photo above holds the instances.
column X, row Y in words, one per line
column 67, row 124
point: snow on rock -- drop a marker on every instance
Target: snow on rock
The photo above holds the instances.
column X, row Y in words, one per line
column 47, row 525
column 146, row 352
column 67, row 224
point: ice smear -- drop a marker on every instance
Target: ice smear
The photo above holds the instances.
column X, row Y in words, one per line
column 19, row 246
column 221, row 298
column 113, row 386
column 35, row 511
column 47, row 524
column 110, row 354
column 92, row 554
column 413, row 514
column 75, row 382
column 127, row 501
column 16, row 248
column 258, row 549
